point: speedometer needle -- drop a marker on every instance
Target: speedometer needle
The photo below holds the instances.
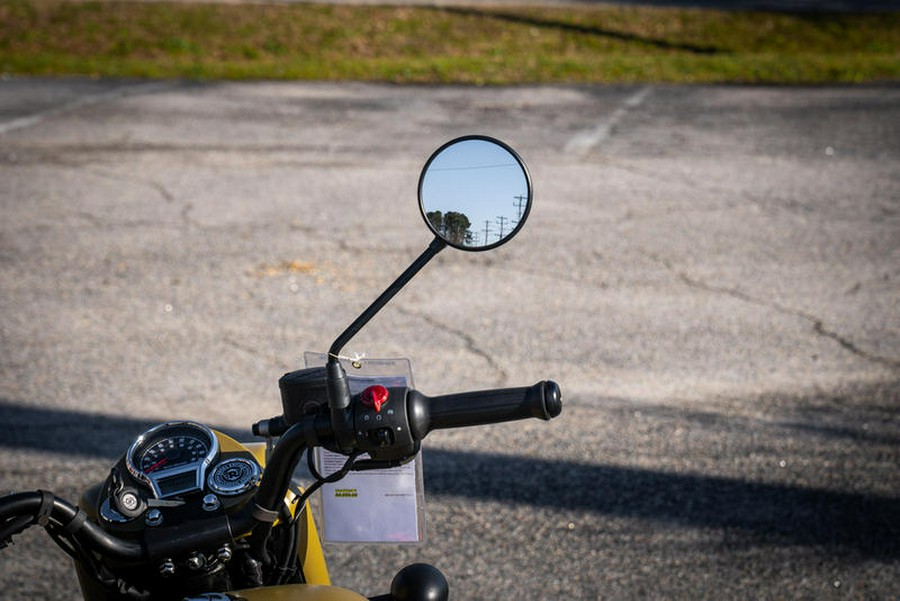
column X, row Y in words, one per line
column 156, row 465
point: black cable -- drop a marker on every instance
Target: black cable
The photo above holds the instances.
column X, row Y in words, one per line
column 67, row 527
column 94, row 568
column 322, row 480
column 67, row 543
column 283, row 564
column 13, row 526
column 271, row 496
column 288, row 564
column 283, row 569
column 311, row 464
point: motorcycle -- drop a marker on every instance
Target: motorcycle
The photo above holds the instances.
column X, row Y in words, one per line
column 191, row 513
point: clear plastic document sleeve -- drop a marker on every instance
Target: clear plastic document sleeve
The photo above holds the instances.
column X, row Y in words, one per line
column 376, row 506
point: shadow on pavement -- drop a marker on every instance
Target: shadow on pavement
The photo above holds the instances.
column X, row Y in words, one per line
column 563, row 26
column 764, row 514
column 769, row 513
column 783, row 6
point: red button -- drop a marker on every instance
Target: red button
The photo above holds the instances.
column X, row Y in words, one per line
column 375, row 396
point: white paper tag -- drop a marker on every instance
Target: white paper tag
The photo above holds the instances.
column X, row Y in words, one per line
column 370, row 506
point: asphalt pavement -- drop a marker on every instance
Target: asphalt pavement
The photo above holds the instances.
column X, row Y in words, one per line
column 711, row 273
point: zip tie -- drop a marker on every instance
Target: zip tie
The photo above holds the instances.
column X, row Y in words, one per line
column 263, row 515
column 76, row 522
column 354, row 361
column 43, row 514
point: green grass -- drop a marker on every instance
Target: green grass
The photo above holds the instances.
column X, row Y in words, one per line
column 433, row 45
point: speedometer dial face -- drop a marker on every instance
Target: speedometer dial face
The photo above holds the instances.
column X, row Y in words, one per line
column 173, row 451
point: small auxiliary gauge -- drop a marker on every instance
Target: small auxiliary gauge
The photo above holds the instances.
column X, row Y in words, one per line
column 233, row 476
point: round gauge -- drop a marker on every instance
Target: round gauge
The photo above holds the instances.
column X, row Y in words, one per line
column 233, row 476
column 172, row 451
column 172, row 457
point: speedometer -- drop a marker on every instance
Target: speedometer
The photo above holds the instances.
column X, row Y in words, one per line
column 173, row 451
column 172, row 458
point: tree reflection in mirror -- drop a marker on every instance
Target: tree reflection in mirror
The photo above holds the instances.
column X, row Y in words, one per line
column 475, row 193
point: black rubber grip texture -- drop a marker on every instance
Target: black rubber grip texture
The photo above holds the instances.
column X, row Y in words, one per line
column 542, row 401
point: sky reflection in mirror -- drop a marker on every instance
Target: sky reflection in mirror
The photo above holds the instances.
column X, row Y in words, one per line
column 481, row 181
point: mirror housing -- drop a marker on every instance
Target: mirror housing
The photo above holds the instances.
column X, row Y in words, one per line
column 475, row 193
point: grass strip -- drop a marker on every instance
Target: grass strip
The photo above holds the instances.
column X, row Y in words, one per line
column 595, row 44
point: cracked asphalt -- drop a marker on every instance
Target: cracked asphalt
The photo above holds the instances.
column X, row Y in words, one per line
column 712, row 274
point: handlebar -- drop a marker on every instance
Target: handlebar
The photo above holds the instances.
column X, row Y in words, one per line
column 418, row 416
column 19, row 511
column 395, row 434
column 541, row 401
column 390, row 436
column 44, row 508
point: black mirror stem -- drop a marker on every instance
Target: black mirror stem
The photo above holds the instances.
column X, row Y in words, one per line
column 338, row 386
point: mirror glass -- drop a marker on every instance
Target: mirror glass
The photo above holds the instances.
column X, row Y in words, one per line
column 475, row 193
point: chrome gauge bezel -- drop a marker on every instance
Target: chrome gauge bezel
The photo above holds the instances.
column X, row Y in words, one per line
column 198, row 468
column 252, row 478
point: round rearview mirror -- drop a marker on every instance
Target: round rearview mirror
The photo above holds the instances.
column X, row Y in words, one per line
column 475, row 193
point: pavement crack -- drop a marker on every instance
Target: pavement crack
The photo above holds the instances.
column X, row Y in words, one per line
column 470, row 343
column 164, row 193
column 246, row 348
column 818, row 324
column 819, row 328
column 186, row 217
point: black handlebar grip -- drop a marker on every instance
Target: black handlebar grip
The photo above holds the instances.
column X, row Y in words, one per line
column 542, row 401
